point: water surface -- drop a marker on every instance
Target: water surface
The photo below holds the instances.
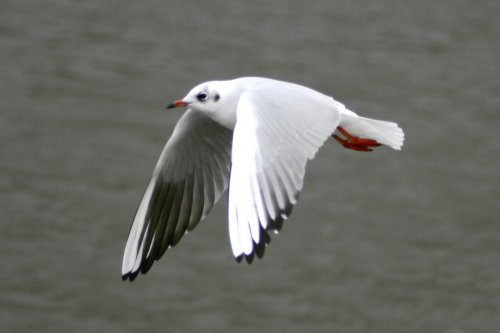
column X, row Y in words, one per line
column 383, row 242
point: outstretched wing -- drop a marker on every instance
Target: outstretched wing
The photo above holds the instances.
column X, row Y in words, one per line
column 279, row 128
column 190, row 176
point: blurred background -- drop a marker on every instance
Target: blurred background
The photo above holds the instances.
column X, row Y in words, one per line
column 380, row 242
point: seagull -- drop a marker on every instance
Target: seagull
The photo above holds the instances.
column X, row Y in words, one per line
column 255, row 136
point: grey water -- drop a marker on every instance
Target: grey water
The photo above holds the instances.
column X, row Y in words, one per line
column 384, row 241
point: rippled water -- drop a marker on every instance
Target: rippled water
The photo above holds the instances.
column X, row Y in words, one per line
column 382, row 242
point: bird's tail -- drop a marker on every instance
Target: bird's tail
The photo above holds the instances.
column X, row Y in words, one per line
column 385, row 132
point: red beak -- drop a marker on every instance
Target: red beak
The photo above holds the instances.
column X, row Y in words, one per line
column 177, row 103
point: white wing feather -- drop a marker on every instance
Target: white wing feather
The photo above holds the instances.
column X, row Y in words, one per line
column 275, row 134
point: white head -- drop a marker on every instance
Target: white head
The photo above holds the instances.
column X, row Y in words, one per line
column 216, row 99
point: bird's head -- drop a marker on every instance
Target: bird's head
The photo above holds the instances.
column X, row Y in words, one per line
column 205, row 97
column 217, row 100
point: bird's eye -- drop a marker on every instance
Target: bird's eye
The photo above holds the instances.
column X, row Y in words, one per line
column 201, row 96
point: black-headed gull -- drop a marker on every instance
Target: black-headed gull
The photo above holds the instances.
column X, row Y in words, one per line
column 256, row 135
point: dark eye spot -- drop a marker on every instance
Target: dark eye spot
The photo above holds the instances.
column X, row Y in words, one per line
column 216, row 97
column 201, row 96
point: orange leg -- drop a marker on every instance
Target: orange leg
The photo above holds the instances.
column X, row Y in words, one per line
column 354, row 142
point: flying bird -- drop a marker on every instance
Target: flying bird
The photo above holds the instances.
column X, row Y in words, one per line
column 255, row 136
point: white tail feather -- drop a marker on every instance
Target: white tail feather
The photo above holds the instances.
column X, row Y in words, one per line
column 385, row 132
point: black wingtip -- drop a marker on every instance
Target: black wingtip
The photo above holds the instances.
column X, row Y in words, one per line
column 249, row 258
column 260, row 248
column 146, row 266
column 130, row 276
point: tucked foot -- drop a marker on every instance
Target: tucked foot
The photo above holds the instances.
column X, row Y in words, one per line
column 355, row 142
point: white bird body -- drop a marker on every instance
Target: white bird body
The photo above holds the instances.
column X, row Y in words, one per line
column 254, row 134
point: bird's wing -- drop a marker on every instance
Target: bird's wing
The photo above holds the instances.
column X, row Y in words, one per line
column 277, row 132
column 190, row 176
